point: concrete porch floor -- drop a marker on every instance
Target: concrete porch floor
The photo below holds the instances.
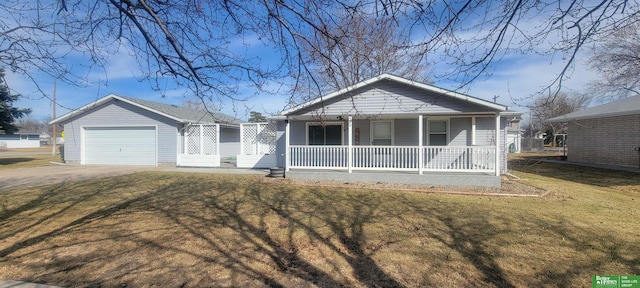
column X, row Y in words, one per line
column 427, row 178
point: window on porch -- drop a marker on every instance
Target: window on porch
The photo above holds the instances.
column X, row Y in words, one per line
column 438, row 132
column 328, row 134
column 382, row 133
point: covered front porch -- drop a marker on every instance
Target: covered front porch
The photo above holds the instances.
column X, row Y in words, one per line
column 443, row 144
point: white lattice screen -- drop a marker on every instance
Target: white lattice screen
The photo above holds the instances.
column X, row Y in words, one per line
column 193, row 139
column 201, row 139
column 258, row 138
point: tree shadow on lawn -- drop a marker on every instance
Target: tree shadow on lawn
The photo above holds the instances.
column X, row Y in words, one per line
column 235, row 231
column 10, row 161
column 599, row 177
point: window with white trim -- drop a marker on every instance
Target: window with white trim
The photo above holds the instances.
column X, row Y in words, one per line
column 438, row 134
column 382, row 132
column 24, row 137
column 327, row 134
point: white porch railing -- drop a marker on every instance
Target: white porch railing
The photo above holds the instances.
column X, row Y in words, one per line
column 385, row 157
column 400, row 158
column 464, row 158
column 318, row 157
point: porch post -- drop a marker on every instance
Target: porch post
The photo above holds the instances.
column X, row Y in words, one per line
column 217, row 139
column 473, row 130
column 286, row 145
column 497, row 164
column 350, row 144
column 420, row 141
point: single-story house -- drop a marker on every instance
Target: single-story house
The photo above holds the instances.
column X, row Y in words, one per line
column 120, row 130
column 605, row 134
column 20, row 140
column 392, row 125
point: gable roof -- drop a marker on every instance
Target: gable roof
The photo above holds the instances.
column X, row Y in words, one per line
column 177, row 113
column 627, row 106
column 389, row 77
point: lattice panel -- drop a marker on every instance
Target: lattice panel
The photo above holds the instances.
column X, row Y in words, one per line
column 209, row 139
column 193, row 139
column 249, row 133
column 258, row 138
column 267, row 138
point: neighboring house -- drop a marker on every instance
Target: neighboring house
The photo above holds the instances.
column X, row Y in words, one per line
column 127, row 131
column 45, row 138
column 387, row 124
column 20, row 140
column 605, row 134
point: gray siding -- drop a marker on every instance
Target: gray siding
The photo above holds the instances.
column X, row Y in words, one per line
column 365, row 132
column 229, row 142
column 386, row 97
column 406, row 132
column 460, row 131
column 485, row 134
column 116, row 113
column 281, row 143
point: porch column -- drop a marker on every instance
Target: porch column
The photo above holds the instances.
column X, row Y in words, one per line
column 286, row 145
column 473, row 130
column 497, row 163
column 420, row 141
column 350, row 144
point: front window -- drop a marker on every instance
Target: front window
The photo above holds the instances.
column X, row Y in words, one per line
column 438, row 132
column 328, row 134
column 24, row 137
column 382, row 133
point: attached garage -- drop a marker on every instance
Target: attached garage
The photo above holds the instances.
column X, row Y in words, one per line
column 120, row 145
column 116, row 130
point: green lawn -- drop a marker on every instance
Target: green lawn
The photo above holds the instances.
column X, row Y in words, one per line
column 195, row 230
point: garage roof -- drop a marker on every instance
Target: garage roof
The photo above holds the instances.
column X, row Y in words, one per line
column 178, row 113
column 627, row 106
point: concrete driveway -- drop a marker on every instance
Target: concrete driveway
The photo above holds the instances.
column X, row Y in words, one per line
column 53, row 174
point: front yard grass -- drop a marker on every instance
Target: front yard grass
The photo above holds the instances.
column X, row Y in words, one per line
column 197, row 230
column 26, row 161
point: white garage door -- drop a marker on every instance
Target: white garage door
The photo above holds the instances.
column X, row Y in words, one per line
column 120, row 145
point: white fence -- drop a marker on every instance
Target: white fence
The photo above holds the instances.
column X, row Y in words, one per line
column 401, row 158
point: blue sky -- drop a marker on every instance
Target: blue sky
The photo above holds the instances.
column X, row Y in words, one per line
column 514, row 77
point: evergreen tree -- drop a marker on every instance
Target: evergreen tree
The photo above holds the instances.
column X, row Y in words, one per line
column 8, row 113
column 256, row 117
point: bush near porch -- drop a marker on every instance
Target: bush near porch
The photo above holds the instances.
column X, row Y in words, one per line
column 194, row 230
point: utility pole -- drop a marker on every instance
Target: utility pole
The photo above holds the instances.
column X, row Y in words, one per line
column 53, row 137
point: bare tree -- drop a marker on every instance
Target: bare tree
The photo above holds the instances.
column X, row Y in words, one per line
column 617, row 59
column 546, row 107
column 362, row 46
column 199, row 44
